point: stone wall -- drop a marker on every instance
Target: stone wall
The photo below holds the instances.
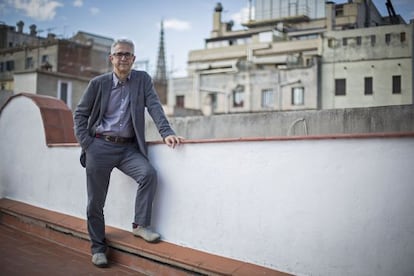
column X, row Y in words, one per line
column 288, row 123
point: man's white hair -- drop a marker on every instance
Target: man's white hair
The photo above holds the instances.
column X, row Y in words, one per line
column 122, row 41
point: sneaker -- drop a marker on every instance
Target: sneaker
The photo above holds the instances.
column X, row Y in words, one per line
column 99, row 259
column 146, row 233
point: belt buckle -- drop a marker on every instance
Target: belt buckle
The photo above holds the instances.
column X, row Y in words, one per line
column 117, row 139
column 107, row 138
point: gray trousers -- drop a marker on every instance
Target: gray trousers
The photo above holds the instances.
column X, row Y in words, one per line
column 101, row 158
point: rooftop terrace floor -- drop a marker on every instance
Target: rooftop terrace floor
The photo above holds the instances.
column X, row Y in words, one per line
column 24, row 254
column 36, row 241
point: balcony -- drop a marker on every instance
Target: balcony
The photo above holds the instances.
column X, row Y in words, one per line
column 314, row 205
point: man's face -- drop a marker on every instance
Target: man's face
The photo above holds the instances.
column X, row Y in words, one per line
column 122, row 59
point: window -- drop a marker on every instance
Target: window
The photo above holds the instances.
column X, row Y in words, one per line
column 396, row 84
column 358, row 40
column 29, row 63
column 298, row 96
column 402, row 37
column 293, row 8
column 238, row 96
column 213, row 101
column 268, row 98
column 65, row 92
column 387, row 38
column 368, row 86
column 1, row 66
column 340, row 87
column 373, row 40
column 179, row 101
column 45, row 58
column 10, row 65
column 344, row 41
column 339, row 10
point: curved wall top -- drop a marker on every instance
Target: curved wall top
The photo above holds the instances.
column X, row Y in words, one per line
column 56, row 116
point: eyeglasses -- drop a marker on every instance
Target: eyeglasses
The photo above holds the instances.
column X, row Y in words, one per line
column 123, row 54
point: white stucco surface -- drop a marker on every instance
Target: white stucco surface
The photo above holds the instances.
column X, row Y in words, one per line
column 308, row 207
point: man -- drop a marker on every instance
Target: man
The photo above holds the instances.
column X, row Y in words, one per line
column 110, row 126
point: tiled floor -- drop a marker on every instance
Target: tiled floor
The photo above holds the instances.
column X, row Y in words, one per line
column 58, row 244
column 23, row 254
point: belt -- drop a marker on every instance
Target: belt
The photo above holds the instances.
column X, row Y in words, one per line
column 116, row 139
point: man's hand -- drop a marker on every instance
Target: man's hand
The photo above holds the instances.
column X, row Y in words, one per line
column 173, row 140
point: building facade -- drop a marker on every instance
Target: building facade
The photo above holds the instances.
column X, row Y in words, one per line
column 299, row 55
column 33, row 64
column 368, row 67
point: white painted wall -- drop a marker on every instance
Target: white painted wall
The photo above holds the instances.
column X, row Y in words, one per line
column 308, row 207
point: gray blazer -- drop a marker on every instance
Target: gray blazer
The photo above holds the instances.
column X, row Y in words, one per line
column 91, row 108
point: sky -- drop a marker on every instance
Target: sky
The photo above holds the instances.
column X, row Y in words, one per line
column 187, row 23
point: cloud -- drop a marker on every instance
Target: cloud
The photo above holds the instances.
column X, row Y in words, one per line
column 78, row 3
column 242, row 16
column 37, row 9
column 176, row 24
column 95, row 11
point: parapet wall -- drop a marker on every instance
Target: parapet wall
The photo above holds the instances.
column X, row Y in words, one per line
column 317, row 205
column 294, row 123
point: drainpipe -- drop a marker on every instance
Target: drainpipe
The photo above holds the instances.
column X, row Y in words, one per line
column 412, row 60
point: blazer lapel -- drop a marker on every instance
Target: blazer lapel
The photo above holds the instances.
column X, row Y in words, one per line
column 133, row 93
column 106, row 92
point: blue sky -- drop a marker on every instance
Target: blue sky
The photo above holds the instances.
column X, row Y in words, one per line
column 186, row 22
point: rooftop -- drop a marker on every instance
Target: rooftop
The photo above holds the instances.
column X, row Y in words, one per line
column 305, row 205
column 26, row 254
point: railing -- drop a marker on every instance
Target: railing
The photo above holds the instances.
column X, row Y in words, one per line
column 338, row 205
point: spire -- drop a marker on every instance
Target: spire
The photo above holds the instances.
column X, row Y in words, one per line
column 161, row 73
column 160, row 79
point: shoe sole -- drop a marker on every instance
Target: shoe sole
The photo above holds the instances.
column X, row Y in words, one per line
column 150, row 241
column 101, row 265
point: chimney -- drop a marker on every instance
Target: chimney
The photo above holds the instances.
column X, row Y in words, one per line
column 330, row 15
column 33, row 31
column 217, row 20
column 20, row 25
